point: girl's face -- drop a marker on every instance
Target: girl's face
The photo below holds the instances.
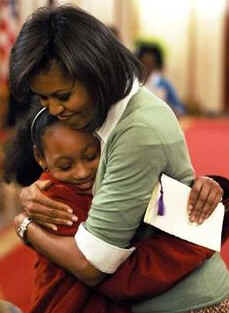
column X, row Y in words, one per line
column 71, row 156
column 66, row 99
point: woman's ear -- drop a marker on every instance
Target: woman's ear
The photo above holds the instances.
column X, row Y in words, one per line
column 40, row 160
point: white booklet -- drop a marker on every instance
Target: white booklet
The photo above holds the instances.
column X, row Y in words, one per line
column 175, row 217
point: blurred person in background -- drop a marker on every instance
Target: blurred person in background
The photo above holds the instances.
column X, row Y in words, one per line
column 151, row 55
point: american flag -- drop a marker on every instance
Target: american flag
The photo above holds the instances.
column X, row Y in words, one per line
column 9, row 26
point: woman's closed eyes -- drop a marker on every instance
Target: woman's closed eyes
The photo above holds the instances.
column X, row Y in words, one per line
column 63, row 97
column 91, row 157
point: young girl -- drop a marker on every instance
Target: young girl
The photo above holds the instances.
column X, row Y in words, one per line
column 69, row 159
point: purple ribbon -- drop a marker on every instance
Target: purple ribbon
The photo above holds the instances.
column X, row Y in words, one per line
column 161, row 207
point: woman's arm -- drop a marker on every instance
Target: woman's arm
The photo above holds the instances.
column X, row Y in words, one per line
column 73, row 267
column 155, row 266
column 147, row 272
column 133, row 279
column 60, row 246
column 159, row 253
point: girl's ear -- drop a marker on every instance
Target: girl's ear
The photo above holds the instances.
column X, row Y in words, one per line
column 40, row 160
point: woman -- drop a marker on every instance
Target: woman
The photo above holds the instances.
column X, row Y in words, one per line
column 85, row 77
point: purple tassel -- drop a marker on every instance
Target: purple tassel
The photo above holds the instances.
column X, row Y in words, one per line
column 161, row 208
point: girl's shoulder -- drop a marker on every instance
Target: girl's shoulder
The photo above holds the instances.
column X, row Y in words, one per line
column 67, row 193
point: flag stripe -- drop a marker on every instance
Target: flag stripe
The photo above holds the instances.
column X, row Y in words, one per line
column 9, row 24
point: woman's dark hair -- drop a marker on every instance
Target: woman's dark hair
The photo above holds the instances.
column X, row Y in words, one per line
column 16, row 110
column 85, row 49
column 153, row 49
column 20, row 164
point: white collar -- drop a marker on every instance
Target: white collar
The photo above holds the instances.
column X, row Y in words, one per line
column 115, row 114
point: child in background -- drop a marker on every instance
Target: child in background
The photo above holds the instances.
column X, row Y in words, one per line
column 152, row 57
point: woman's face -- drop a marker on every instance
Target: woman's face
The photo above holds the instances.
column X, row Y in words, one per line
column 71, row 156
column 66, row 99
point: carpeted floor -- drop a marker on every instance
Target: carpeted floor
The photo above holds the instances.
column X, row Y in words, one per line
column 209, row 148
column 16, row 275
column 16, row 269
column 209, row 145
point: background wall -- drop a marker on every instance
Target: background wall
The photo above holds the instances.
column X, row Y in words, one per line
column 209, row 51
column 192, row 32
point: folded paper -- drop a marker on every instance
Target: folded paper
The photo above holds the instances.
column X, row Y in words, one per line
column 175, row 219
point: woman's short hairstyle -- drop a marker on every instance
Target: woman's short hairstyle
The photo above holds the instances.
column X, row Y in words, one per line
column 85, row 49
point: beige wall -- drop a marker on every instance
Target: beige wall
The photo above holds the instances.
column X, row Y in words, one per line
column 28, row 6
column 209, row 54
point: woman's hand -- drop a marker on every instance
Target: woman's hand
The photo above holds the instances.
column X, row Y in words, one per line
column 204, row 197
column 43, row 210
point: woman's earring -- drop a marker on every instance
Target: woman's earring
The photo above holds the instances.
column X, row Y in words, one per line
column 44, row 168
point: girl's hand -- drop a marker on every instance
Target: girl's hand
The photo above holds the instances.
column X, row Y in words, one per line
column 43, row 210
column 204, row 197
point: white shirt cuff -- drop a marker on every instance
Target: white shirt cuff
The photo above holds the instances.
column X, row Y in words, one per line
column 102, row 255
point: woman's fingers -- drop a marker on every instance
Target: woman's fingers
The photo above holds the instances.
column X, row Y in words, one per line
column 54, row 216
column 43, row 184
column 40, row 218
column 202, row 206
column 52, row 207
column 43, row 209
column 47, row 225
column 32, row 195
column 204, row 197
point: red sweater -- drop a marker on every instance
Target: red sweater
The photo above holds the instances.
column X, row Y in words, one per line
column 155, row 266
